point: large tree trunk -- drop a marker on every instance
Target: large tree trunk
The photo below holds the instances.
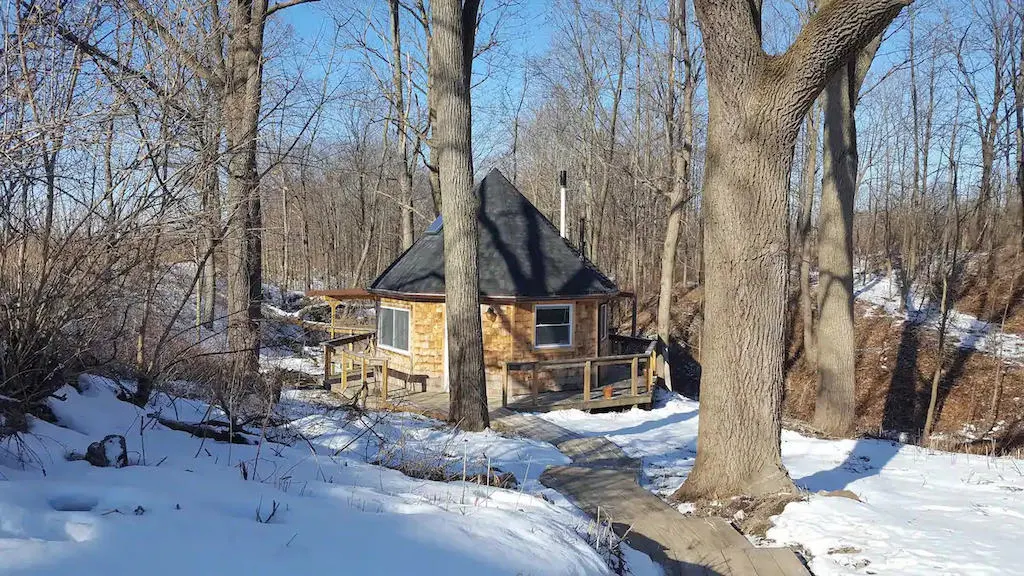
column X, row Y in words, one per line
column 755, row 106
column 834, row 408
column 453, row 30
column 835, row 405
column 243, row 238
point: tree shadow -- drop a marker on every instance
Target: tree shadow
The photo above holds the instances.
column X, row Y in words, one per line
column 867, row 458
column 902, row 410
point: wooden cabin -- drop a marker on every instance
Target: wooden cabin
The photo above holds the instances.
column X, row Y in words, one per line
column 545, row 312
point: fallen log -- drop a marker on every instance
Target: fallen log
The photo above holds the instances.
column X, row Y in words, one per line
column 203, row 430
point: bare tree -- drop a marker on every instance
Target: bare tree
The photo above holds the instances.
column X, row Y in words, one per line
column 679, row 141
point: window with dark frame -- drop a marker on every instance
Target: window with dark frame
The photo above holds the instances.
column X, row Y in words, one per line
column 552, row 325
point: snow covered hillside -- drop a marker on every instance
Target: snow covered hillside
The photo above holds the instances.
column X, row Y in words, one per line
column 186, row 506
column 965, row 330
column 922, row 512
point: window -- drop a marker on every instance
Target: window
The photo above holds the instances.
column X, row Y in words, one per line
column 393, row 329
column 552, row 325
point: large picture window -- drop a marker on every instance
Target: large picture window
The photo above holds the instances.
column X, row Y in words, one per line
column 552, row 325
column 393, row 329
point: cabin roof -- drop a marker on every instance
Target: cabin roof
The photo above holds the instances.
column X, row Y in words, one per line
column 522, row 254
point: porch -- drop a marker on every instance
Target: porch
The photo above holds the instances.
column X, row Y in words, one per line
column 354, row 369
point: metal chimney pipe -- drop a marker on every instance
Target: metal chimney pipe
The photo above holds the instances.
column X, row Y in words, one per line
column 561, row 195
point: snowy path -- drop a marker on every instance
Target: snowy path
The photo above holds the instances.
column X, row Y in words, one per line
column 602, row 480
column 922, row 512
column 966, row 330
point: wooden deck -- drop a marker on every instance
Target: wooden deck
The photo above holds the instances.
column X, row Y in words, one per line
column 353, row 370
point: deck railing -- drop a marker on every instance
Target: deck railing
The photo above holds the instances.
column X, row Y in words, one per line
column 591, row 376
column 344, row 349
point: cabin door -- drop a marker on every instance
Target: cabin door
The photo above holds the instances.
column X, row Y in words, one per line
column 444, row 348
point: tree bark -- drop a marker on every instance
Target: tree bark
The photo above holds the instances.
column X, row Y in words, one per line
column 451, row 48
column 835, row 405
column 242, row 89
column 756, row 103
column 804, row 225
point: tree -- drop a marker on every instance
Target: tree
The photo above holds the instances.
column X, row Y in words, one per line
column 453, row 24
column 756, row 103
column 679, row 139
column 835, row 405
column 240, row 86
column 401, row 115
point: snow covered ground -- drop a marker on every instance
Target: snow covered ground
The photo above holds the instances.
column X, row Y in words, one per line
column 186, row 506
column 923, row 512
column 964, row 329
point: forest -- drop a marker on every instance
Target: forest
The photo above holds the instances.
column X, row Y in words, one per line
column 819, row 205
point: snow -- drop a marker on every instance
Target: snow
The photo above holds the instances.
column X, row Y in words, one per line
column 964, row 329
column 315, row 506
column 922, row 511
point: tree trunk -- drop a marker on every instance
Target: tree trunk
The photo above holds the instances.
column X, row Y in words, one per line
column 807, row 188
column 835, row 405
column 834, row 408
column 755, row 106
column 453, row 30
column 679, row 136
column 210, row 225
column 243, row 86
column 405, row 175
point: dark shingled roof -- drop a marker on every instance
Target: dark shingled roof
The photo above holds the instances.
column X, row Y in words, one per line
column 522, row 255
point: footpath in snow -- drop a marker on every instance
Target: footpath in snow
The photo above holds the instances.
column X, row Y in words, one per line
column 186, row 506
column 923, row 512
column 965, row 330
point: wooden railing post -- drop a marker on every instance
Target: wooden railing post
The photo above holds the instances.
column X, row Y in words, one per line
column 344, row 371
column 362, row 381
column 504, row 384
column 586, row 382
column 384, row 382
column 651, row 368
column 327, row 366
column 535, row 384
column 633, row 365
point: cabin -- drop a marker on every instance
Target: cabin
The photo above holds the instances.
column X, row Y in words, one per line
column 545, row 311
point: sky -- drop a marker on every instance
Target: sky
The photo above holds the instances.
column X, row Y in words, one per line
column 527, row 31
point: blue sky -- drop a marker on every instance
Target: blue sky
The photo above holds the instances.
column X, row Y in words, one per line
column 528, row 30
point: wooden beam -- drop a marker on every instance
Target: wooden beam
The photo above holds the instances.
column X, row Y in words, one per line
column 384, row 382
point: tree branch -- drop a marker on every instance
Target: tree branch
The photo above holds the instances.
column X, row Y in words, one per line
column 827, row 41
column 287, row 4
column 142, row 15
